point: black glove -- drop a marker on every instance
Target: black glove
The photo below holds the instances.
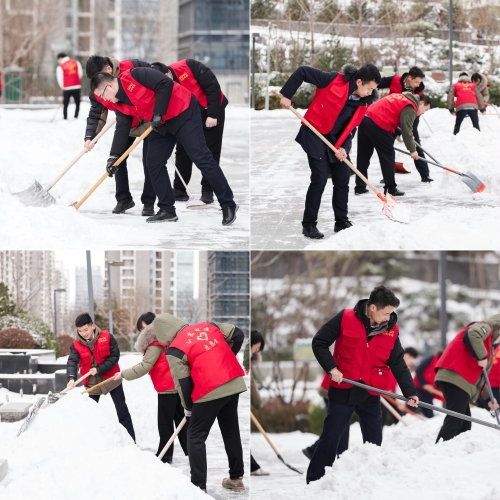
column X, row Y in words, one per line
column 110, row 169
column 156, row 122
column 398, row 131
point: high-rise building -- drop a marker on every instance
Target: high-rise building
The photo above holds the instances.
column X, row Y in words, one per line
column 186, row 306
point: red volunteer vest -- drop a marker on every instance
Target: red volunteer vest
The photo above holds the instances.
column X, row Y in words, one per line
column 70, row 74
column 358, row 359
column 160, row 373
column 458, row 358
column 327, row 105
column 101, row 352
column 386, row 112
column 494, row 374
column 124, row 65
column 396, row 87
column 209, row 356
column 186, row 78
column 465, row 92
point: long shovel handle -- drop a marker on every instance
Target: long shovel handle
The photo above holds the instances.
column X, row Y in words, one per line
column 76, row 383
column 428, row 161
column 171, row 440
column 55, row 114
column 490, row 392
column 115, row 164
column 406, row 410
column 427, row 123
column 422, row 404
column 94, row 140
column 392, row 411
column 98, row 385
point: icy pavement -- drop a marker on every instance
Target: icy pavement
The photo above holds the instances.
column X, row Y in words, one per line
column 76, row 449
column 444, row 214
column 408, row 465
column 33, row 148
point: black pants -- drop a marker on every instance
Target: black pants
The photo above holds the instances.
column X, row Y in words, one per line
column 191, row 136
column 421, row 166
column 472, row 113
column 75, row 94
column 202, row 419
column 481, row 403
column 121, row 178
column 254, row 465
column 371, row 137
column 213, row 138
column 340, row 173
column 426, row 397
column 456, row 400
column 334, row 427
column 118, row 397
column 170, row 410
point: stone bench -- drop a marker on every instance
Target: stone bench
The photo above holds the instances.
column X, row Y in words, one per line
column 13, row 412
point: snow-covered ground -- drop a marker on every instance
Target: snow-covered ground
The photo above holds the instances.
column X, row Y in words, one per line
column 76, row 449
column 408, row 465
column 444, row 214
column 33, row 148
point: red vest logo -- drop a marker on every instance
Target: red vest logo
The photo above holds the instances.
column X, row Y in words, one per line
column 183, row 77
column 101, row 339
column 389, row 333
column 131, row 87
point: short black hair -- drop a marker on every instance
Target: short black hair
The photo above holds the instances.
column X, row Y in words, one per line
column 463, row 74
column 382, row 296
column 96, row 64
column 425, row 99
column 476, row 77
column 61, row 54
column 160, row 67
column 255, row 338
column 416, row 72
column 100, row 78
column 412, row 352
column 83, row 319
column 147, row 318
column 368, row 73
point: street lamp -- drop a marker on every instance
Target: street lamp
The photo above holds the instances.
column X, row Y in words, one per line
column 254, row 36
column 110, row 305
column 56, row 290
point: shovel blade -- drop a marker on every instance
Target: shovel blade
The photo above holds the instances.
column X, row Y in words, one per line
column 195, row 204
column 35, row 196
column 400, row 168
column 473, row 182
column 396, row 210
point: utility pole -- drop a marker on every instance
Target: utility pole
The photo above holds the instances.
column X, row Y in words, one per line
column 451, row 42
column 89, row 287
column 266, row 106
column 254, row 36
column 110, row 303
column 443, row 316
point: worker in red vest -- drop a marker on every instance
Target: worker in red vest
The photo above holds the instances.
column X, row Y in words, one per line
column 203, row 84
column 154, row 362
column 367, row 349
column 96, row 351
column 460, row 372
column 424, row 380
column 340, row 102
column 378, row 132
column 98, row 115
column 209, row 379
column 468, row 101
column 69, row 77
column 147, row 94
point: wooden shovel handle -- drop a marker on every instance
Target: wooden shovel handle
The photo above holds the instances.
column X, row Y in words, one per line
column 98, row 385
column 76, row 383
column 171, row 440
column 261, row 429
column 391, row 410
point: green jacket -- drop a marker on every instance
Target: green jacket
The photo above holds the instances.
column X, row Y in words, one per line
column 478, row 332
column 406, row 119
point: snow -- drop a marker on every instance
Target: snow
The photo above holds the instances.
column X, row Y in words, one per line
column 76, row 449
column 408, row 464
column 33, row 148
column 444, row 214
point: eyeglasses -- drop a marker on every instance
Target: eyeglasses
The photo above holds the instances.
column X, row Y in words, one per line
column 103, row 92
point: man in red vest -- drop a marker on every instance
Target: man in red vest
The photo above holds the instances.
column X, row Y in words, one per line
column 96, row 351
column 469, row 100
column 460, row 372
column 378, row 132
column 367, row 349
column 69, row 77
column 427, row 389
column 340, row 102
column 147, row 94
column 203, row 84
column 209, row 379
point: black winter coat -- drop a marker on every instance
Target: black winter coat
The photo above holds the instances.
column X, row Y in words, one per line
column 385, row 83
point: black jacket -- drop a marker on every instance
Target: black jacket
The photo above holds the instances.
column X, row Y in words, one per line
column 105, row 366
column 310, row 143
column 419, row 372
column 330, row 332
column 385, row 83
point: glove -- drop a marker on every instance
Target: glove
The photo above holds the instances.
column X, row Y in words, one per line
column 187, row 413
column 110, row 169
column 398, row 131
column 156, row 122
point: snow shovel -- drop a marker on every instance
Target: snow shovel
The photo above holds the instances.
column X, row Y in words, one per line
column 392, row 411
column 393, row 208
column 54, row 397
column 406, row 410
column 171, row 440
column 36, row 196
column 422, row 404
column 57, row 110
column 97, row 385
column 400, row 168
column 257, row 424
column 490, row 393
column 31, row 416
column 115, row 164
column 193, row 203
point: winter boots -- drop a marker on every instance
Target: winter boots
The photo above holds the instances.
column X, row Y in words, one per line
column 233, row 484
column 311, row 231
column 123, row 205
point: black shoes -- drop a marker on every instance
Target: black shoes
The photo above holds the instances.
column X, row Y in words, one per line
column 123, row 205
column 229, row 215
column 427, row 179
column 394, row 192
column 311, row 231
column 339, row 226
column 360, row 190
column 148, row 210
column 163, row 216
column 207, row 197
column 180, row 195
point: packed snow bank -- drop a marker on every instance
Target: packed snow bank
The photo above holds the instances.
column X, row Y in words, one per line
column 408, row 465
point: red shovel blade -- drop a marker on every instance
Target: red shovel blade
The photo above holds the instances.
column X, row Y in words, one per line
column 400, row 168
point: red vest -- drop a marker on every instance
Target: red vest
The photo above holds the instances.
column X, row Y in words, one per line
column 209, row 356
column 465, row 92
column 160, row 373
column 186, row 78
column 325, row 383
column 458, row 358
column 143, row 99
column 124, row 65
column 70, row 73
column 358, row 359
column 327, row 105
column 386, row 112
column 494, row 374
column 396, row 86
column 101, row 352
column 393, row 383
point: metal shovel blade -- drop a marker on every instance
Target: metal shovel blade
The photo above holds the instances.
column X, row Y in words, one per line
column 473, row 182
column 196, row 204
column 396, row 210
column 36, row 196
column 31, row 416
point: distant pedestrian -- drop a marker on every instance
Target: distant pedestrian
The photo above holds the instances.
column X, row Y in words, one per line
column 69, row 77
